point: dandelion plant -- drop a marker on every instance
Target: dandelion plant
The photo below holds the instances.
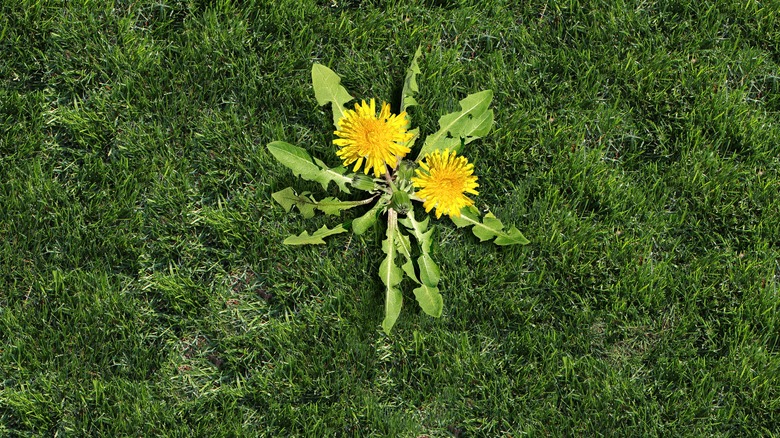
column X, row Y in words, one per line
column 378, row 142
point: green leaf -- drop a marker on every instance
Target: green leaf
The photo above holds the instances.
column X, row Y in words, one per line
column 333, row 206
column 427, row 295
column 404, row 246
column 473, row 121
column 429, row 299
column 410, row 82
column 363, row 223
column 408, row 268
column 287, row 198
column 328, row 89
column 512, row 237
column 335, row 174
column 391, row 274
column 315, row 239
column 420, row 231
column 300, row 162
column 294, row 158
column 489, row 228
column 429, row 271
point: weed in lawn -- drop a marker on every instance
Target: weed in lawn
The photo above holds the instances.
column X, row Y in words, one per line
column 635, row 144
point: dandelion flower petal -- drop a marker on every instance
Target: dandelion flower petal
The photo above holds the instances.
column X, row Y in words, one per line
column 379, row 140
column 442, row 181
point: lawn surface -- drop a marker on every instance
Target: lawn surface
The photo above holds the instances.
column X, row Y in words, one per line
column 145, row 290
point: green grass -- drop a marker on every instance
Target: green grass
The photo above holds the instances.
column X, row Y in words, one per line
column 144, row 289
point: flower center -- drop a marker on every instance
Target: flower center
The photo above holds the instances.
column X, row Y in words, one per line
column 374, row 135
column 448, row 183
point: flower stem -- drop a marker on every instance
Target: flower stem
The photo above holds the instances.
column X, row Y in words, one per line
column 392, row 218
column 366, row 201
column 389, row 179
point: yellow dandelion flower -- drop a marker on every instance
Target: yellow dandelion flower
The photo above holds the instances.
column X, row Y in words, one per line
column 443, row 180
column 379, row 140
